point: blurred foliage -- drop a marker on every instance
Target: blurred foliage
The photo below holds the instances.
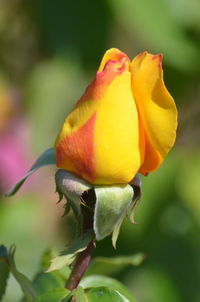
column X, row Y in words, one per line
column 49, row 51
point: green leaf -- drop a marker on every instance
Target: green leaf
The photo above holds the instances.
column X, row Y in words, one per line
column 26, row 285
column 111, row 266
column 56, row 295
column 98, row 280
column 44, row 282
column 24, row 282
column 4, row 270
column 110, row 209
column 46, row 158
column 80, row 295
column 69, row 255
column 4, row 274
column 3, row 252
column 104, row 294
column 46, row 261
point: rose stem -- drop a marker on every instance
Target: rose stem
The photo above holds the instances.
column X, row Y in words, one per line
column 81, row 264
column 83, row 259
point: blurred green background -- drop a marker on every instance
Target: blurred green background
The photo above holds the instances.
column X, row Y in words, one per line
column 49, row 52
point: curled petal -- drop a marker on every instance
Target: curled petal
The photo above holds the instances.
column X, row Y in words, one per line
column 157, row 110
column 113, row 54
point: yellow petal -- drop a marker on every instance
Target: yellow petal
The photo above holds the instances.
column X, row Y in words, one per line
column 117, row 133
column 156, row 108
column 99, row 140
column 112, row 54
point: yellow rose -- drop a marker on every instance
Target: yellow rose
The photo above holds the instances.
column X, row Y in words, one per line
column 124, row 123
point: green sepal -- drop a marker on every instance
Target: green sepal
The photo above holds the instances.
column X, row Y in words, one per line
column 136, row 185
column 72, row 187
column 45, row 159
column 112, row 203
